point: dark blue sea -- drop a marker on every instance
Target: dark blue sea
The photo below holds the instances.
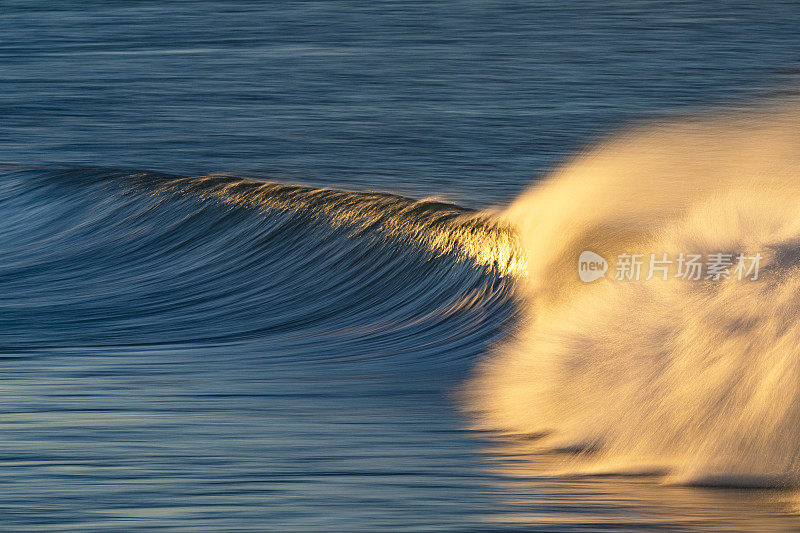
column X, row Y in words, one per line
column 242, row 274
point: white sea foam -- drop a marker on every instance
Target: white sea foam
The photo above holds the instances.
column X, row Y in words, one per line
column 702, row 377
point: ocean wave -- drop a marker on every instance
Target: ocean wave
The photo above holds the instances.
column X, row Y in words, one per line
column 98, row 257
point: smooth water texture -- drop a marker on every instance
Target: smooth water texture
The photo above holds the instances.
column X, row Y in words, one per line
column 246, row 353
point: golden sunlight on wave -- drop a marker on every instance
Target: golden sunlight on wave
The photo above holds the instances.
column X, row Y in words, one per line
column 438, row 227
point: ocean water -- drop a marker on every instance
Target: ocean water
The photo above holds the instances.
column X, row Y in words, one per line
column 258, row 272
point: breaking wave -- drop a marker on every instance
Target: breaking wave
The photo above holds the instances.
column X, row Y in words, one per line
column 696, row 378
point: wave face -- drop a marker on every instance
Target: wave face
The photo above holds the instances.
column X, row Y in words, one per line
column 93, row 257
column 219, row 353
column 696, row 378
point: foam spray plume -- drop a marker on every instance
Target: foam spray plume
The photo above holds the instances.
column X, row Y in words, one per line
column 699, row 378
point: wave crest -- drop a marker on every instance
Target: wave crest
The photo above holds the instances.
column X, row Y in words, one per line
column 95, row 257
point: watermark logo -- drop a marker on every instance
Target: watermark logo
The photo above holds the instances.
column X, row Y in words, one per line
column 692, row 267
column 591, row 266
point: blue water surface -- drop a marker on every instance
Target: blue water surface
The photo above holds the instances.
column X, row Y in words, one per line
column 207, row 355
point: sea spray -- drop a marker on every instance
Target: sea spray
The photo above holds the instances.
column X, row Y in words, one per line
column 699, row 376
